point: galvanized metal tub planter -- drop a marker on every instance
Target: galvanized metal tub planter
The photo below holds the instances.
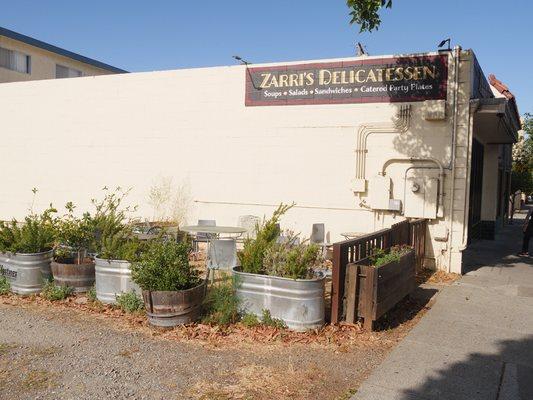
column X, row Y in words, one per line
column 26, row 272
column 112, row 278
column 171, row 308
column 298, row 302
column 80, row 277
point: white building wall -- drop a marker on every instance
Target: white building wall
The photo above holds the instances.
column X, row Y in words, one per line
column 69, row 138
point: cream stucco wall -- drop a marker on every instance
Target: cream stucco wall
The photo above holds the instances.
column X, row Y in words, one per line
column 71, row 137
column 43, row 63
column 489, row 196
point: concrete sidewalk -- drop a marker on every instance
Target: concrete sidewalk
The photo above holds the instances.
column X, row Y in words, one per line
column 477, row 340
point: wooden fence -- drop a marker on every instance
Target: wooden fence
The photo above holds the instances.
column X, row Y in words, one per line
column 411, row 233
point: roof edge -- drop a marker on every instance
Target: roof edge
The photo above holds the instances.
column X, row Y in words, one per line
column 58, row 50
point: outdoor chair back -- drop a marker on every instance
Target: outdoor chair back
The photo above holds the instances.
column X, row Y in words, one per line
column 222, row 254
column 249, row 222
column 318, row 234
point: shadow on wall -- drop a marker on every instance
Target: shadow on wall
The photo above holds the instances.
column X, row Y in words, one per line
column 505, row 374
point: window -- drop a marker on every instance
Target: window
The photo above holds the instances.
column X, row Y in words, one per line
column 15, row 61
column 66, row 72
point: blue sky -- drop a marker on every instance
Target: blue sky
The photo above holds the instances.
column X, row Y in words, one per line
column 155, row 35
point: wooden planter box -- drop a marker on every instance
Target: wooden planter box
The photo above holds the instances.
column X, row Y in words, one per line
column 372, row 291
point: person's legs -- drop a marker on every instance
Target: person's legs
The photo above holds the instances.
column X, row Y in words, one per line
column 525, row 242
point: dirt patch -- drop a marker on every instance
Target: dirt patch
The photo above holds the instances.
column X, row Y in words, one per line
column 436, row 277
column 78, row 349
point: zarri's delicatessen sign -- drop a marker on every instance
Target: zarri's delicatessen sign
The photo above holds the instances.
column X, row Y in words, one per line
column 405, row 79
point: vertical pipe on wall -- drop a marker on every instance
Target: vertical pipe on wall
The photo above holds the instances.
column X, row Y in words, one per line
column 456, row 58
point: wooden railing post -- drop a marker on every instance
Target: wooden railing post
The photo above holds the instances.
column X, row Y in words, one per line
column 337, row 283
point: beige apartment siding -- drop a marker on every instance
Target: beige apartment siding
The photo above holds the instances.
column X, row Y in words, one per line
column 43, row 63
column 191, row 126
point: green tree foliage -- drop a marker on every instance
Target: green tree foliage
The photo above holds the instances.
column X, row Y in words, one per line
column 36, row 234
column 253, row 253
column 522, row 178
column 365, row 13
column 164, row 266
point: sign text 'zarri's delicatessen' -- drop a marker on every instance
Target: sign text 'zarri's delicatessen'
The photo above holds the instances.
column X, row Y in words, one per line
column 397, row 79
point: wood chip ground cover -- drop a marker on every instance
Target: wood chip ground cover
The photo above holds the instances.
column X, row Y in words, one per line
column 78, row 349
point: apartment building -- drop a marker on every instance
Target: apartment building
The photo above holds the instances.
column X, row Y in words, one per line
column 23, row 58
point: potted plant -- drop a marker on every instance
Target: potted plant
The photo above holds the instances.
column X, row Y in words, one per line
column 71, row 266
column 173, row 291
column 26, row 251
column 280, row 277
column 114, row 246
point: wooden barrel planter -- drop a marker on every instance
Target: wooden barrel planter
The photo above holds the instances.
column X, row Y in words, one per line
column 173, row 308
column 79, row 277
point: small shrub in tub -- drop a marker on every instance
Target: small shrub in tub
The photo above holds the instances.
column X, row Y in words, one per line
column 280, row 277
column 71, row 266
column 115, row 245
column 173, row 290
column 26, row 251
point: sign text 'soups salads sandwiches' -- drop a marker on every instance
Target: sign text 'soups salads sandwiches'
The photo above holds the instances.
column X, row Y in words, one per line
column 397, row 79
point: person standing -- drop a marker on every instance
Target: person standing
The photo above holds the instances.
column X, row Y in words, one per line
column 528, row 232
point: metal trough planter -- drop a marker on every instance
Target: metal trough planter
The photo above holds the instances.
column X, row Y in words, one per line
column 298, row 302
column 171, row 308
column 80, row 277
column 113, row 277
column 26, row 272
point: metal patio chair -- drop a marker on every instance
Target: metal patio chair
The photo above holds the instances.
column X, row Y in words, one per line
column 222, row 255
column 249, row 222
column 203, row 237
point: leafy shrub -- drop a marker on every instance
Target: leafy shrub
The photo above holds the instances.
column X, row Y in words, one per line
column 112, row 232
column 250, row 320
column 129, row 302
column 36, row 234
column 253, row 253
column 5, row 287
column 91, row 294
column 53, row 292
column 221, row 304
column 73, row 236
column 266, row 319
column 164, row 266
column 381, row 257
column 289, row 260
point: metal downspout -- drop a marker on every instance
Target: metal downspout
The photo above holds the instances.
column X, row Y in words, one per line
column 456, row 56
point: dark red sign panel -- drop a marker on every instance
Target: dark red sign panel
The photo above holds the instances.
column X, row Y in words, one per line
column 400, row 79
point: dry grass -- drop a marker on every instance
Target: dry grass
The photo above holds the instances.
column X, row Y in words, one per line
column 260, row 382
column 339, row 337
column 38, row 379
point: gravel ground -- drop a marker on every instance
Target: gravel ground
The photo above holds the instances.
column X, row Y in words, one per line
column 50, row 351
column 62, row 354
